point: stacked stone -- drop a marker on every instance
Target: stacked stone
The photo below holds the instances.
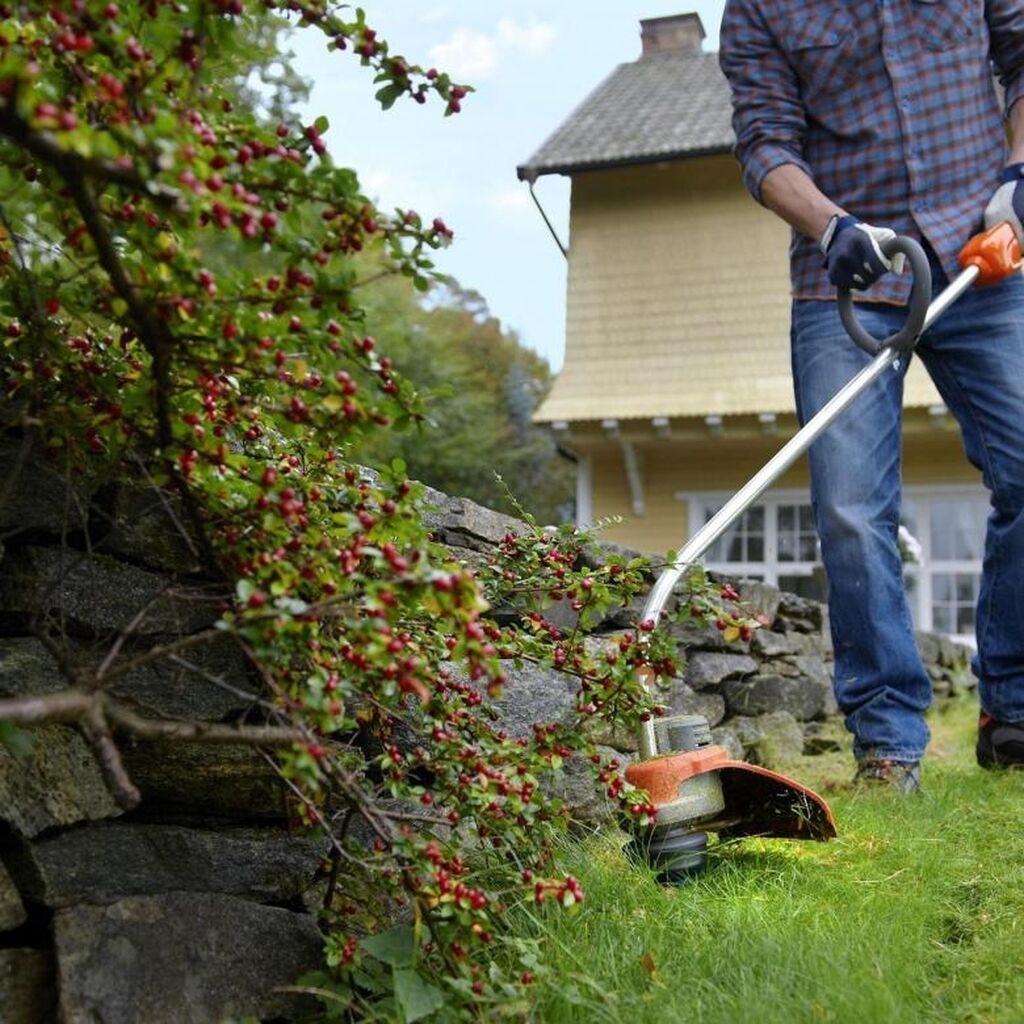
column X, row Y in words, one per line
column 200, row 903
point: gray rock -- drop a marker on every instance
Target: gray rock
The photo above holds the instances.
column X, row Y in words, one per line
column 163, row 687
column 781, row 740
column 825, row 737
column 725, row 736
column 928, row 647
column 574, row 785
column 747, row 729
column 56, row 783
column 28, row 990
column 181, row 958
column 12, row 911
column 692, row 636
column 461, row 523
column 96, row 594
column 197, row 781
column 814, row 668
column 800, row 614
column 104, row 863
column 598, row 553
column 760, row 599
column 171, row 690
column 705, row 669
column 778, row 667
column 36, row 495
column 26, row 667
column 802, row 697
column 766, row 643
column 149, row 527
column 532, row 695
column 686, row 701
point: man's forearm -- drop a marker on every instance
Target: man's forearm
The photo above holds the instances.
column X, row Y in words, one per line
column 791, row 193
column 1015, row 120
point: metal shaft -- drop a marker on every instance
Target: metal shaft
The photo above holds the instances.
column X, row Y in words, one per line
column 780, row 462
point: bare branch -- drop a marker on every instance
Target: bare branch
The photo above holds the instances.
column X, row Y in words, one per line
column 96, row 730
column 206, row 732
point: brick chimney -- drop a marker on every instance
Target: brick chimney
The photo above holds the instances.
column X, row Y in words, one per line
column 676, row 33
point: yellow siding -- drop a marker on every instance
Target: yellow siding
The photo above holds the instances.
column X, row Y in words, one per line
column 932, row 456
column 678, row 298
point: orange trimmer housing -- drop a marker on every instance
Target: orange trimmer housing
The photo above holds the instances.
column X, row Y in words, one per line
column 758, row 802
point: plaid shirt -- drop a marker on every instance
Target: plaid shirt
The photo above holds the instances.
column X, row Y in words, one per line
column 889, row 105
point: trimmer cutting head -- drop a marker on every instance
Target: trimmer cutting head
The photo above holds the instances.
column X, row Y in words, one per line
column 697, row 789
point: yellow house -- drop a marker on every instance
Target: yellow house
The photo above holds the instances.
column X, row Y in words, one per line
column 676, row 383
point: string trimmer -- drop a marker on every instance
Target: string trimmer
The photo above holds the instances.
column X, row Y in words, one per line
column 694, row 785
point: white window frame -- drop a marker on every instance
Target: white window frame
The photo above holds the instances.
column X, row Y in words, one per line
column 770, row 569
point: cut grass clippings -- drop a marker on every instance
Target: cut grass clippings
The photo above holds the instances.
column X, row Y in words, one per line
column 915, row 913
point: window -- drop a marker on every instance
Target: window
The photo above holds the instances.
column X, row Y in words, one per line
column 950, row 526
column 775, row 541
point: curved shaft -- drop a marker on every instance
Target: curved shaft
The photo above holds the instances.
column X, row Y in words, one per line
column 780, row 462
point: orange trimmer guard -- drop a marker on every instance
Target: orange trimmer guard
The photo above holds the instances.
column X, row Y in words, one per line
column 758, row 802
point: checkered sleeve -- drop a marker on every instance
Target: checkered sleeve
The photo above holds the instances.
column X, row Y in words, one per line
column 1006, row 32
column 768, row 115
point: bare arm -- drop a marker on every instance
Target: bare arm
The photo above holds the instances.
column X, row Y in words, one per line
column 790, row 192
column 1015, row 120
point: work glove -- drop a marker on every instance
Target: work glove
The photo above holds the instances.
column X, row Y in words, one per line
column 853, row 253
column 1008, row 201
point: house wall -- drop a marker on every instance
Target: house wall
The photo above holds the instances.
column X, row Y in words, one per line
column 933, row 456
column 677, row 297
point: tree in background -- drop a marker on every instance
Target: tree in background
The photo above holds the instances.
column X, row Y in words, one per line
column 482, row 388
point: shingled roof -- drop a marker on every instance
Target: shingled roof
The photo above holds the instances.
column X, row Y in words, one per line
column 660, row 107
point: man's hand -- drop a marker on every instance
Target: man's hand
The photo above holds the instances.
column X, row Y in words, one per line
column 1008, row 201
column 853, row 253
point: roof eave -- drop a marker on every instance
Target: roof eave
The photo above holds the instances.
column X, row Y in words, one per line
column 530, row 173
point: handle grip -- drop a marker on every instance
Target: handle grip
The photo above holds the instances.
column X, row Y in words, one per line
column 920, row 298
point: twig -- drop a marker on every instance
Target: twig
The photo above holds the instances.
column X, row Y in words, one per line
column 96, row 729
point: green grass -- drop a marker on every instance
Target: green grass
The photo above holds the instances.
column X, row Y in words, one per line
column 915, row 913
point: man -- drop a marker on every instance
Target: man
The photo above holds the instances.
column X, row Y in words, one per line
column 854, row 121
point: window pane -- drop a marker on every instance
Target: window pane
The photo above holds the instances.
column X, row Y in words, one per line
column 954, row 596
column 958, row 528
column 755, row 549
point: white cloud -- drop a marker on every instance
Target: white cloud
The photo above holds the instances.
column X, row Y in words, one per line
column 467, row 54
column 470, row 55
column 511, row 200
column 533, row 40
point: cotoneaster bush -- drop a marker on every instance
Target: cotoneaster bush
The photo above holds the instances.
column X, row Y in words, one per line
column 180, row 305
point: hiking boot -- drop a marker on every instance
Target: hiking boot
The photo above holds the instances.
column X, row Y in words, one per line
column 902, row 776
column 1000, row 744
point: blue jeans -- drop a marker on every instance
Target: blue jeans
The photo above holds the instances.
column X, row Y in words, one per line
column 975, row 355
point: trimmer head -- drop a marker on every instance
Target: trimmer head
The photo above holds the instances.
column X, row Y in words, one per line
column 698, row 789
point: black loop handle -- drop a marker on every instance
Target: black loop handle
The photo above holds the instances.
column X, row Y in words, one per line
column 920, row 298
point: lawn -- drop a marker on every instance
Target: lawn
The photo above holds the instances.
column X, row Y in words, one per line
column 915, row 913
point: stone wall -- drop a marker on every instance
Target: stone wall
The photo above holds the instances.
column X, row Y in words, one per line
column 200, row 903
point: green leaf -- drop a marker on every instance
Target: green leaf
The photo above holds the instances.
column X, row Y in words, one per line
column 394, row 947
column 387, row 96
column 18, row 741
column 416, row 999
column 321, row 124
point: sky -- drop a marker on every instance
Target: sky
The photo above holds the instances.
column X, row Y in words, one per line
column 532, row 64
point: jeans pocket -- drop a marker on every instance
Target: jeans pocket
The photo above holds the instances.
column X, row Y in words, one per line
column 823, row 50
column 941, row 24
